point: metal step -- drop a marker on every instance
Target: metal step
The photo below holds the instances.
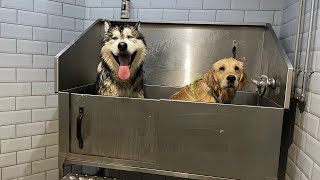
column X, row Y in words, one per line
column 85, row 177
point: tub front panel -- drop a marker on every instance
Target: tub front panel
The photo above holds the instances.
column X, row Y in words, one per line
column 119, row 128
column 238, row 142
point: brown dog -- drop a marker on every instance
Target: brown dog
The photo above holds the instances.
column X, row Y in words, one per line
column 219, row 84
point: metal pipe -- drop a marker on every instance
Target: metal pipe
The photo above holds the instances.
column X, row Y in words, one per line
column 306, row 65
column 296, row 62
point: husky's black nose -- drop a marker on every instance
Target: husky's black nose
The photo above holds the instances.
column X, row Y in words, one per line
column 122, row 46
column 231, row 78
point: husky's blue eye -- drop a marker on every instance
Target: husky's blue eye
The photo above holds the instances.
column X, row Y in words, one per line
column 130, row 37
column 115, row 38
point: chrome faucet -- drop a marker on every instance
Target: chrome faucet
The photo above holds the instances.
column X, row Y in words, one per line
column 263, row 83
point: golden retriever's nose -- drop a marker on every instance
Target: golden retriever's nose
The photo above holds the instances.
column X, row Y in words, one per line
column 231, row 78
column 122, row 46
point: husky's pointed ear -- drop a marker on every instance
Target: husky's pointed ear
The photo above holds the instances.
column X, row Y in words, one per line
column 106, row 26
column 138, row 25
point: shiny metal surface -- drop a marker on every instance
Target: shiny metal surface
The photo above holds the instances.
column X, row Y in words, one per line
column 77, row 63
column 177, row 138
column 64, row 121
column 277, row 65
column 155, row 92
column 263, row 83
column 210, row 139
column 178, row 52
column 115, row 164
column 128, row 127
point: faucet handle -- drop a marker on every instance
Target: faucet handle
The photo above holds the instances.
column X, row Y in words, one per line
column 263, row 83
column 256, row 82
column 269, row 81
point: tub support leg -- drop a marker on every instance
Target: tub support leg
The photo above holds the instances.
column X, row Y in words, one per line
column 61, row 160
column 287, row 137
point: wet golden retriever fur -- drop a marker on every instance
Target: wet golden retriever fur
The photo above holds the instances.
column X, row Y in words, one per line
column 215, row 80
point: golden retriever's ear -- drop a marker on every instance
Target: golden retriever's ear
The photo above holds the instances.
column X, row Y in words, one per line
column 209, row 79
column 243, row 81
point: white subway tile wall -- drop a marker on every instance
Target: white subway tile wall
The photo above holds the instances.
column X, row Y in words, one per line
column 202, row 15
column 32, row 32
column 175, row 15
column 40, row 176
column 30, row 155
column 16, row 171
column 304, row 156
column 52, row 175
column 190, row 10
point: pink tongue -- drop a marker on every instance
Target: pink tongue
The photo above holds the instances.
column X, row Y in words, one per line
column 124, row 71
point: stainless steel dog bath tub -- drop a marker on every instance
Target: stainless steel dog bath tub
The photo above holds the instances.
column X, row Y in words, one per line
column 174, row 138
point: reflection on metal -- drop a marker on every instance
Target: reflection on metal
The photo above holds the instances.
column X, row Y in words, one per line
column 188, row 58
column 192, row 140
column 263, row 83
column 216, row 138
column 180, row 52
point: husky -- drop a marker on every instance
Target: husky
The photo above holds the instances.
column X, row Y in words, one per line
column 120, row 72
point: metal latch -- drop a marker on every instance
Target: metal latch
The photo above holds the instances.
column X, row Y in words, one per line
column 263, row 83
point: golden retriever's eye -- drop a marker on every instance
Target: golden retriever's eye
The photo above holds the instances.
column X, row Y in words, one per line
column 115, row 38
column 221, row 68
column 130, row 37
column 236, row 68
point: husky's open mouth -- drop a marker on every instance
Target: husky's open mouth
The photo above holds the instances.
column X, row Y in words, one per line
column 124, row 60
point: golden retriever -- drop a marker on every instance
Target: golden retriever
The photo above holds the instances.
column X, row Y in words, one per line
column 219, row 84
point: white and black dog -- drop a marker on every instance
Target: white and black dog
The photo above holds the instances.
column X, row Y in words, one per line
column 120, row 71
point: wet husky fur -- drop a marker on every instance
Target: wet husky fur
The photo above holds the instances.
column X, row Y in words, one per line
column 120, row 71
